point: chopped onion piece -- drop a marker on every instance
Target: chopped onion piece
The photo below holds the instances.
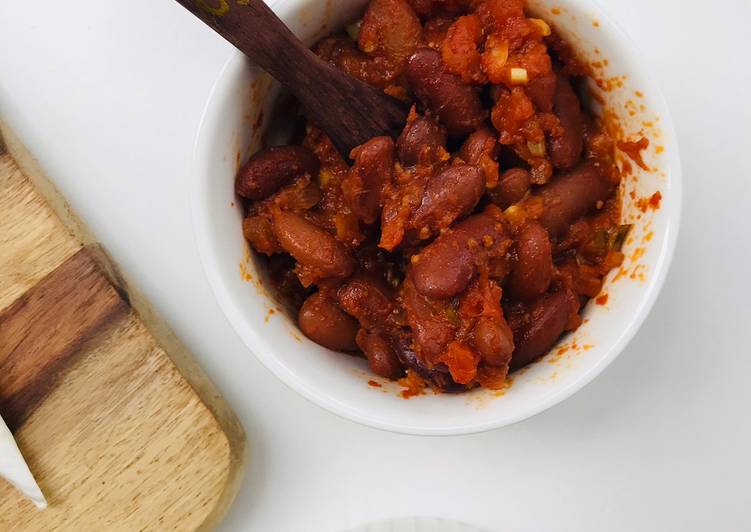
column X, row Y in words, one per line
column 498, row 53
column 544, row 26
column 519, row 76
column 324, row 177
column 536, row 148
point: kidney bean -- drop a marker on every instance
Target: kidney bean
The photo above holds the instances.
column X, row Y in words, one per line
column 367, row 298
column 257, row 230
column 428, row 320
column 381, row 356
column 420, row 138
column 450, row 195
column 446, row 266
column 363, row 186
column 456, row 104
column 478, row 144
column 513, row 185
column 546, row 320
column 533, row 270
column 572, row 195
column 321, row 320
column 311, row 246
column 494, row 340
column 566, row 149
column 270, row 169
column 541, row 91
column 438, row 377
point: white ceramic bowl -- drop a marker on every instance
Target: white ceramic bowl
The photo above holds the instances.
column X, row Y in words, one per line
column 229, row 133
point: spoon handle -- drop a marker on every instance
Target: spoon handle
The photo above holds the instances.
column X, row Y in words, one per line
column 348, row 110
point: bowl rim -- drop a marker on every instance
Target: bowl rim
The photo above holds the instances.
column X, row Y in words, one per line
column 264, row 351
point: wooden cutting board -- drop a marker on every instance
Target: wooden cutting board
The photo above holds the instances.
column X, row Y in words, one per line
column 120, row 428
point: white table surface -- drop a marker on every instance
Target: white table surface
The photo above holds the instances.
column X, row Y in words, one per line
column 108, row 95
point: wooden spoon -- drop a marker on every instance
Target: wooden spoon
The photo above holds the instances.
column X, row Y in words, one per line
column 349, row 110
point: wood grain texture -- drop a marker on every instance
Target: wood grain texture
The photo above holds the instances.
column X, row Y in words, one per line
column 120, row 433
column 28, row 251
column 122, row 443
column 44, row 327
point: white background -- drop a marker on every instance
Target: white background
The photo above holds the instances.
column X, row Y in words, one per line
column 108, row 95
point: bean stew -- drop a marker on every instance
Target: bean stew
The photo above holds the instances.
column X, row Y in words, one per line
column 463, row 249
